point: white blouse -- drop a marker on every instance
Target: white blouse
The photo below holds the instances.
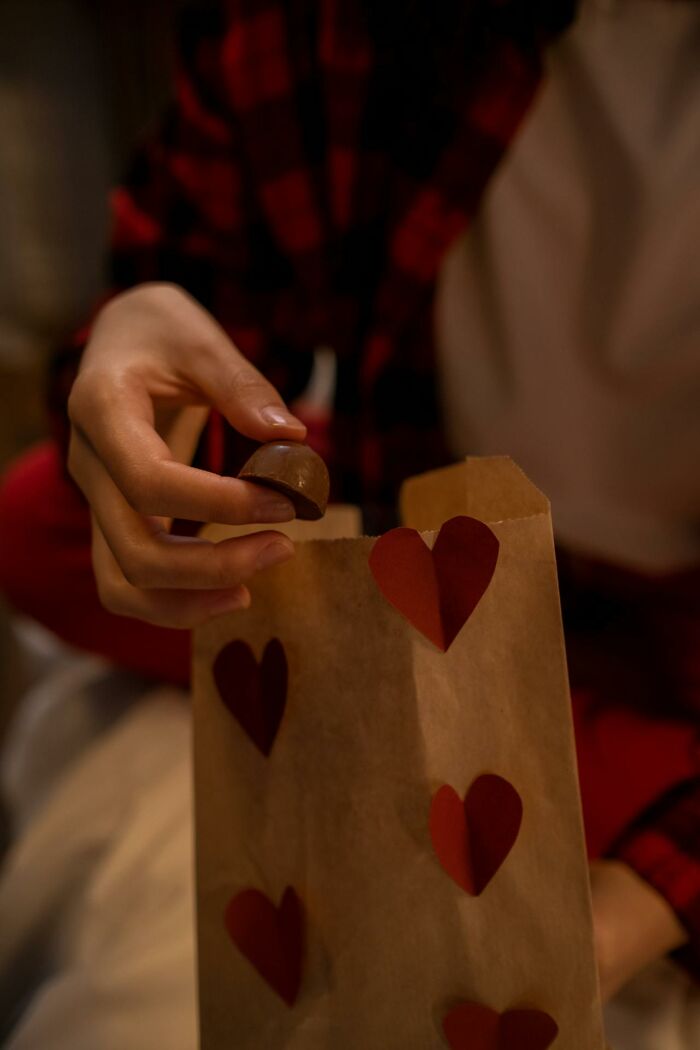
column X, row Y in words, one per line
column 568, row 317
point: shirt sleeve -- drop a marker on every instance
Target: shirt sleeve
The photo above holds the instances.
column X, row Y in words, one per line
column 663, row 847
column 634, row 645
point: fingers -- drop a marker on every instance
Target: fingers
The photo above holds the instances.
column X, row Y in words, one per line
column 245, row 398
column 150, row 557
column 155, row 364
column 153, row 559
column 157, row 353
column 154, row 484
column 171, row 608
column 144, row 571
column 162, row 325
column 179, row 609
column 169, row 344
column 176, row 581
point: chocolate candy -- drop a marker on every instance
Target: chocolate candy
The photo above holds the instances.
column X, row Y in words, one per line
column 296, row 471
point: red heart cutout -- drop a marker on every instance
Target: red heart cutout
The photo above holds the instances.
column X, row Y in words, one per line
column 271, row 939
column 472, row 1027
column 438, row 590
column 474, row 837
column 255, row 694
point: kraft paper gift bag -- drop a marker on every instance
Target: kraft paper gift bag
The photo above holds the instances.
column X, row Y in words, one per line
column 388, row 832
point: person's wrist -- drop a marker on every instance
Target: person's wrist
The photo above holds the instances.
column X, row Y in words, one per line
column 633, row 924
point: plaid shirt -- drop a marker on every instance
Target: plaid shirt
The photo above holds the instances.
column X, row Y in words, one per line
column 295, row 190
column 292, row 192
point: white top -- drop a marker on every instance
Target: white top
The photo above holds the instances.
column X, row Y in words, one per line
column 568, row 317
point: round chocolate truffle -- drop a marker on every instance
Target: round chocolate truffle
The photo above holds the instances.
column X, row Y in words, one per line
column 296, row 471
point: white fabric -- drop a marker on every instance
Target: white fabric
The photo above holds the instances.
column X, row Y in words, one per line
column 96, row 904
column 47, row 734
column 568, row 317
column 659, row 1010
column 96, row 909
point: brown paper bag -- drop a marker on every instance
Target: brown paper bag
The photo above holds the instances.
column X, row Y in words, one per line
column 388, row 835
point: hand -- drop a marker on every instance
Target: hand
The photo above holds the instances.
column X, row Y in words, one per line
column 633, row 925
column 155, row 364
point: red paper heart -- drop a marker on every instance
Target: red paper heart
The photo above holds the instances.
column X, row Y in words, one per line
column 474, row 837
column 438, row 590
column 255, row 694
column 470, row 1026
column 271, row 939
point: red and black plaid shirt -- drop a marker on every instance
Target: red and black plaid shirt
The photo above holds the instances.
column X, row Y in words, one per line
column 305, row 192
column 297, row 192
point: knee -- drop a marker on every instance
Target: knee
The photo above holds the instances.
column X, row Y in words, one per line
column 44, row 522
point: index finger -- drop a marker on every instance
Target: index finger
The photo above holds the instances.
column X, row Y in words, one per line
column 244, row 397
column 140, row 464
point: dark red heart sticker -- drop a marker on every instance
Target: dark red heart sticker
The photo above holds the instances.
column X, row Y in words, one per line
column 473, row 837
column 255, row 694
column 470, row 1026
column 438, row 590
column 271, row 939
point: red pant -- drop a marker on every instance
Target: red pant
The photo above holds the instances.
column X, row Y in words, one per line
column 634, row 655
column 46, row 572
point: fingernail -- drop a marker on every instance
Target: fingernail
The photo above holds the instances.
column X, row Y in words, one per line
column 273, row 510
column 277, row 416
column 238, row 599
column 273, row 554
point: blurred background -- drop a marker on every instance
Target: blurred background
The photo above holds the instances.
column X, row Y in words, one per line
column 80, row 82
